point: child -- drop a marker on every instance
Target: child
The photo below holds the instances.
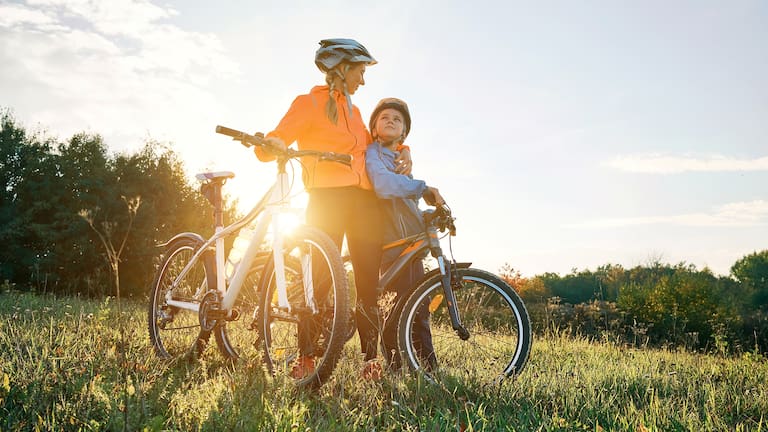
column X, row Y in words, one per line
column 401, row 217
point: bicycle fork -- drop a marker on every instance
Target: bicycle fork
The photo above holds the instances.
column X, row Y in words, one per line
column 447, row 282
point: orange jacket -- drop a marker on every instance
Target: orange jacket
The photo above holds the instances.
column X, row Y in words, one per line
column 307, row 124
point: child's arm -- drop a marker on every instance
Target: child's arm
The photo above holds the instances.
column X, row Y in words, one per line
column 389, row 184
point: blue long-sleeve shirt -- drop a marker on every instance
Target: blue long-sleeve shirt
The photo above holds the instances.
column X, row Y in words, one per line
column 388, row 184
column 399, row 195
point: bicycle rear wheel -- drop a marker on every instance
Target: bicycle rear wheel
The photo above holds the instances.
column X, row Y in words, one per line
column 293, row 335
column 174, row 331
column 499, row 327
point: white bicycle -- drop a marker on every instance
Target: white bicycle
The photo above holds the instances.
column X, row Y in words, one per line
column 286, row 297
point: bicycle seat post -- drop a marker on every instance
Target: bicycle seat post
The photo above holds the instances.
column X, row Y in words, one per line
column 218, row 210
column 211, row 189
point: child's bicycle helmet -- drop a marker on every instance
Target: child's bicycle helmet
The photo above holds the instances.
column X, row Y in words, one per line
column 334, row 51
column 393, row 103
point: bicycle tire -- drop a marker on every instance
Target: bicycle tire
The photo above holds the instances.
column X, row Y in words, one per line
column 176, row 332
column 500, row 330
column 279, row 329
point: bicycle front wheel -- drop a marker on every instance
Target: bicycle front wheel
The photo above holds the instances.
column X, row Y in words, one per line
column 499, row 328
column 241, row 338
column 175, row 331
column 304, row 336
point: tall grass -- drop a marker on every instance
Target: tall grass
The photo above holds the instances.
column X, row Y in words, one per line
column 60, row 370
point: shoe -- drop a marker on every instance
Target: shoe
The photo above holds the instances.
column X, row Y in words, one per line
column 304, row 366
column 372, row 370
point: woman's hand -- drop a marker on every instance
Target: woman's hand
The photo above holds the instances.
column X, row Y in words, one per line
column 404, row 162
column 274, row 143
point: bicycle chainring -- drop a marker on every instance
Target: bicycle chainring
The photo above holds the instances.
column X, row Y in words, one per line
column 210, row 310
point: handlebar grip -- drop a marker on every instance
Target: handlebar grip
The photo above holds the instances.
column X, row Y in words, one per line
column 229, row 132
column 346, row 159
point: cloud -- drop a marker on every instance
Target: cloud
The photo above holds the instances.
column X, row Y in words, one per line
column 18, row 15
column 131, row 18
column 118, row 67
column 738, row 214
column 656, row 163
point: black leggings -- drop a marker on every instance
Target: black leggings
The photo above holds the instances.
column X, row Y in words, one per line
column 354, row 212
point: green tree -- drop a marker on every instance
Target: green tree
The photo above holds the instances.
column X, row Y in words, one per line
column 170, row 204
column 752, row 272
column 609, row 278
column 28, row 169
column 48, row 245
column 680, row 302
column 576, row 287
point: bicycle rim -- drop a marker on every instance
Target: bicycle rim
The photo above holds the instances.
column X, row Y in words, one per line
column 497, row 321
column 175, row 332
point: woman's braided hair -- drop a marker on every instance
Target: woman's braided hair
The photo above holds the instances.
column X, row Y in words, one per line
column 331, row 110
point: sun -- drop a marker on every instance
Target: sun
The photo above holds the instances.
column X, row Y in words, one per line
column 286, row 221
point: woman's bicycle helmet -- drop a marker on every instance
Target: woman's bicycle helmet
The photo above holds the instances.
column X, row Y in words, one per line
column 334, row 51
column 393, row 103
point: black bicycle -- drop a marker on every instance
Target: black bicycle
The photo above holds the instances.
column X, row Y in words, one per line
column 479, row 325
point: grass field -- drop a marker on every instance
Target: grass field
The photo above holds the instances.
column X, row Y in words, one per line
column 61, row 369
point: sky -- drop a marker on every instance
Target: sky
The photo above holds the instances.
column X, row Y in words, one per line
column 564, row 135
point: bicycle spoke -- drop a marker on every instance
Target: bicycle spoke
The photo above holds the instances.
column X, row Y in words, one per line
column 310, row 328
column 489, row 310
column 174, row 331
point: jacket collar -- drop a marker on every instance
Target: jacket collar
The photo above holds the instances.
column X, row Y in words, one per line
column 325, row 89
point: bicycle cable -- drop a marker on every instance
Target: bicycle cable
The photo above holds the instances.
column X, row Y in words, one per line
column 450, row 250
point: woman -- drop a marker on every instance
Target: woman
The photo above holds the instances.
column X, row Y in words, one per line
column 341, row 200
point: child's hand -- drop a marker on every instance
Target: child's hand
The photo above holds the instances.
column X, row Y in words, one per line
column 404, row 162
column 432, row 197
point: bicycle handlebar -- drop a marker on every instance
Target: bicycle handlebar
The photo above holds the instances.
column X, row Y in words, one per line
column 441, row 219
column 257, row 139
column 229, row 132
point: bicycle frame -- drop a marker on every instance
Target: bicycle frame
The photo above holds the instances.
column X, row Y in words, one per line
column 418, row 244
column 275, row 201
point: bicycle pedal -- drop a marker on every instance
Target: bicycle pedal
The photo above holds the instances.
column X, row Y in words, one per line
column 216, row 314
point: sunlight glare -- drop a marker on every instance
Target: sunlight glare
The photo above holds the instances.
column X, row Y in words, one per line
column 288, row 221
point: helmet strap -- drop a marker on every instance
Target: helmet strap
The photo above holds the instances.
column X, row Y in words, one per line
column 397, row 140
column 349, row 99
column 344, row 87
